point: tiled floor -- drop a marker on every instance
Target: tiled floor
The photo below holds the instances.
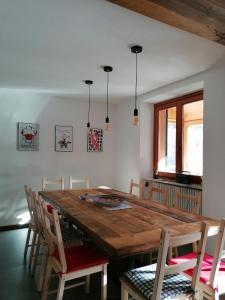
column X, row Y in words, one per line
column 17, row 284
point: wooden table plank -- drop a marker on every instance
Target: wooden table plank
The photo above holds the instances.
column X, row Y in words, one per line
column 124, row 232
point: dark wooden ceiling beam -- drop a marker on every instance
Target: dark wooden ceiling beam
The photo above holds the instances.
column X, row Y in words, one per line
column 205, row 18
column 218, row 3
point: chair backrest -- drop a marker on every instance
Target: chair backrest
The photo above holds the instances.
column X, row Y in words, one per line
column 38, row 213
column 135, row 185
column 84, row 181
column 162, row 192
column 30, row 204
column 193, row 202
column 58, row 183
column 218, row 254
column 167, row 241
column 54, row 237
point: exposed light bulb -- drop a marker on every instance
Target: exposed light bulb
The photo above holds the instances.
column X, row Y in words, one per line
column 89, row 83
column 136, row 49
column 135, row 117
column 88, row 127
column 107, row 124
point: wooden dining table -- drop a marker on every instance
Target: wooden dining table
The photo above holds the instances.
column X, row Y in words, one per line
column 124, row 232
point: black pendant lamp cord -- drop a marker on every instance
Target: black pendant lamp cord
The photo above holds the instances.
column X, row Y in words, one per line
column 89, row 105
column 107, row 106
column 135, row 103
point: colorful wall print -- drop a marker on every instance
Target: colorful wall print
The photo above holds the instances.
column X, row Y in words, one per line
column 63, row 138
column 27, row 136
column 95, row 140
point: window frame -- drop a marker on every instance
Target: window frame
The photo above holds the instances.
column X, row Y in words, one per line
column 177, row 102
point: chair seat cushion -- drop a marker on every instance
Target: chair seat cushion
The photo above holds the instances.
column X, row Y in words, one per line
column 142, row 279
column 82, row 257
column 205, row 268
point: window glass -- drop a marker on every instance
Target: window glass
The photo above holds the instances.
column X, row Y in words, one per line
column 167, row 140
column 193, row 137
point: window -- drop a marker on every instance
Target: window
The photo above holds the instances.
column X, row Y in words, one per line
column 178, row 136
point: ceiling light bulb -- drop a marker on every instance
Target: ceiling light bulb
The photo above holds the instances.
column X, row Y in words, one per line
column 107, row 124
column 135, row 117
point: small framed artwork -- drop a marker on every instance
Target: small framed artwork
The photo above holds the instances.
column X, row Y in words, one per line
column 27, row 136
column 63, row 138
column 95, row 140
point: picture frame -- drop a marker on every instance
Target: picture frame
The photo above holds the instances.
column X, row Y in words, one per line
column 95, row 140
column 27, row 136
column 63, row 138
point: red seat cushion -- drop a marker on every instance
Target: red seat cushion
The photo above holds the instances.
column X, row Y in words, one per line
column 82, row 257
column 205, row 269
column 49, row 208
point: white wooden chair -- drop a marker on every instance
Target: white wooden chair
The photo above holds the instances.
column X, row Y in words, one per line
column 40, row 241
column 56, row 183
column 193, row 205
column 160, row 281
column 163, row 194
column 137, row 186
column 212, row 276
column 159, row 191
column 70, row 262
column 31, row 233
column 70, row 237
column 193, row 202
column 84, row 181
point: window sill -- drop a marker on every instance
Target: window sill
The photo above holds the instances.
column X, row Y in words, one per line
column 172, row 178
column 174, row 183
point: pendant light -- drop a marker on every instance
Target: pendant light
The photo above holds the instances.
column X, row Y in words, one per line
column 89, row 83
column 107, row 69
column 136, row 49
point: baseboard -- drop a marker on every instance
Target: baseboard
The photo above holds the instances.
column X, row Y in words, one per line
column 13, row 227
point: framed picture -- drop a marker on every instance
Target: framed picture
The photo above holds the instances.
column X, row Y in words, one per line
column 95, row 140
column 27, row 136
column 63, row 138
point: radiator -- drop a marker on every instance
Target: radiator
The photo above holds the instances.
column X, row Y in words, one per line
column 191, row 190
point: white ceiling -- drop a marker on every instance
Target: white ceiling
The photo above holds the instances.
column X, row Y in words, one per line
column 52, row 45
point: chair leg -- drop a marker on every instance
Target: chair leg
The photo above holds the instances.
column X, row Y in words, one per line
column 32, row 248
column 87, row 284
column 124, row 292
column 170, row 253
column 104, row 283
column 150, row 258
column 27, row 241
column 60, row 289
column 42, row 268
column 46, row 281
column 176, row 252
column 197, row 295
column 201, row 295
column 195, row 247
column 36, row 253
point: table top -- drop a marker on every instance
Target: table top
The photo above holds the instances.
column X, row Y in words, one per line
column 128, row 231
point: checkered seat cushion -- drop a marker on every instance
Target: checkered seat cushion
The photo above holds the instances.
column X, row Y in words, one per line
column 142, row 279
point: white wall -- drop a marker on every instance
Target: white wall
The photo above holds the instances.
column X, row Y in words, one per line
column 146, row 141
column 133, row 144
column 127, row 146
column 214, row 142
column 23, row 167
